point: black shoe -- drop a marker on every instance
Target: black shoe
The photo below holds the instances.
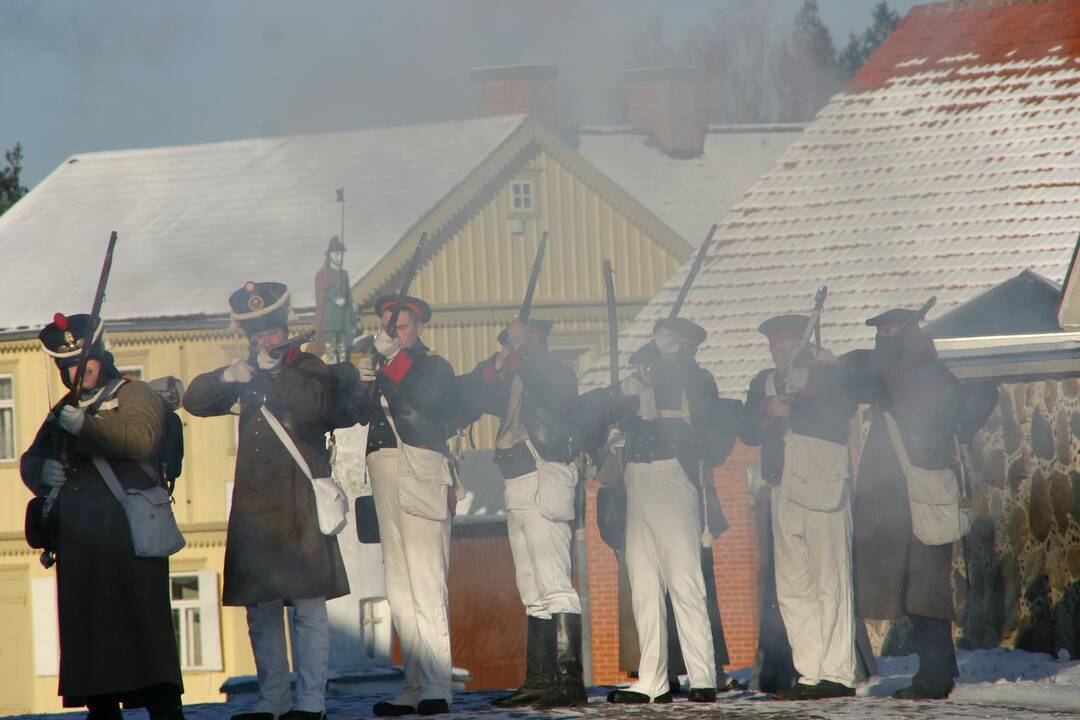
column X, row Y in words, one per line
column 730, row 684
column 433, row 707
column 628, row 697
column 388, row 709
column 702, row 695
column 919, row 690
column 295, row 714
column 822, row 691
column 664, row 699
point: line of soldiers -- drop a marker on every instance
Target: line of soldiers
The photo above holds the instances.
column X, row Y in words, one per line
column 841, row 549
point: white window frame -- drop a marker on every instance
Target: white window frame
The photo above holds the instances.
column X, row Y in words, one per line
column 4, row 404
column 129, row 369
column 209, row 620
column 528, row 186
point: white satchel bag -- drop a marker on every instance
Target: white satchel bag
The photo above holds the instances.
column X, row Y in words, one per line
column 934, row 496
column 331, row 503
column 154, row 533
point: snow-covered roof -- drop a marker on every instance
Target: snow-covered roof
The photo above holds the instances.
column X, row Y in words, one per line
column 195, row 222
column 950, row 163
column 688, row 194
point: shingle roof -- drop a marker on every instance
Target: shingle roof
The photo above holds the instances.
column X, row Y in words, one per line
column 688, row 193
column 949, row 164
column 195, row 222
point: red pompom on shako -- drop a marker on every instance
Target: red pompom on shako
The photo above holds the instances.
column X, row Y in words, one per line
column 61, row 321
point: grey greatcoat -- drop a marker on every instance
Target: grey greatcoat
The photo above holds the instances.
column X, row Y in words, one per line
column 116, row 631
column 274, row 549
column 895, row 574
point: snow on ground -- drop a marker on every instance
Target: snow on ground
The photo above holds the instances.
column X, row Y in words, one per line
column 996, row 684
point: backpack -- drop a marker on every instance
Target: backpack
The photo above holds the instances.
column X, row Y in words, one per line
column 170, row 459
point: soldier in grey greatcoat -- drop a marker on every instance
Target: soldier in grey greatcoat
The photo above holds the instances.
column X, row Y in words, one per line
column 275, row 553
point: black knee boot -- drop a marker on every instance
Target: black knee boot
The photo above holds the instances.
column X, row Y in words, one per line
column 539, row 665
column 569, row 688
column 932, row 638
column 163, row 703
column 103, row 710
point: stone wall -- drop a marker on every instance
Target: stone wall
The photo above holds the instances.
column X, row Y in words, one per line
column 1023, row 554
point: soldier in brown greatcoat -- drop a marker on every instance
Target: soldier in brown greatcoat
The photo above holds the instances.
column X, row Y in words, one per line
column 116, row 633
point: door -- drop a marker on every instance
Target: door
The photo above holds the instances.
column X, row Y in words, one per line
column 16, row 650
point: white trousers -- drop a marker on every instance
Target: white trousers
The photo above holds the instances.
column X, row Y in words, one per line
column 416, row 558
column 663, row 553
column 812, row 556
column 311, row 649
column 541, row 552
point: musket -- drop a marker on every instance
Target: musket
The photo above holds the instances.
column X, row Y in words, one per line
column 391, row 328
column 72, row 398
column 295, row 341
column 918, row 317
column 534, row 277
column 799, row 358
column 692, row 274
column 613, row 325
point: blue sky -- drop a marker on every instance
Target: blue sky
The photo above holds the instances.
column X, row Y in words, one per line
column 111, row 74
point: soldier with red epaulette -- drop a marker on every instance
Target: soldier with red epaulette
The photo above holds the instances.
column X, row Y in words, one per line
column 534, row 394
column 275, row 552
column 798, row 412
column 408, row 461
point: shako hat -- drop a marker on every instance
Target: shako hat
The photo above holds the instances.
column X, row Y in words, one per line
column 896, row 316
column 335, row 245
column 63, row 338
column 536, row 327
column 688, row 331
column 418, row 307
column 784, row 327
column 259, row 306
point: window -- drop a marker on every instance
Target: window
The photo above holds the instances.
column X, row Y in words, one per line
column 133, row 371
column 195, row 619
column 521, row 197
column 187, row 620
column 375, row 628
column 7, row 417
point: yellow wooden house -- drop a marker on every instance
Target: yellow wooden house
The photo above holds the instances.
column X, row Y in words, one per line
column 196, row 222
column 175, row 267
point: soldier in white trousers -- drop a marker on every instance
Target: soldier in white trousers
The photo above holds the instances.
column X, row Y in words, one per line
column 665, row 443
column 532, row 393
column 411, row 481
column 799, row 414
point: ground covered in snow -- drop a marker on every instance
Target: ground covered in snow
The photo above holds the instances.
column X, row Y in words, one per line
column 994, row 685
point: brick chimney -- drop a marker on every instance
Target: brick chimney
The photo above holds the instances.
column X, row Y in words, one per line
column 663, row 102
column 518, row 90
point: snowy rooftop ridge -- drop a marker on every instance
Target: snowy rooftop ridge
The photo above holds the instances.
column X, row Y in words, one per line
column 195, row 222
column 941, row 178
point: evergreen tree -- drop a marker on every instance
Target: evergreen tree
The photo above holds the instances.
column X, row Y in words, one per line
column 859, row 49
column 10, row 189
column 809, row 74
